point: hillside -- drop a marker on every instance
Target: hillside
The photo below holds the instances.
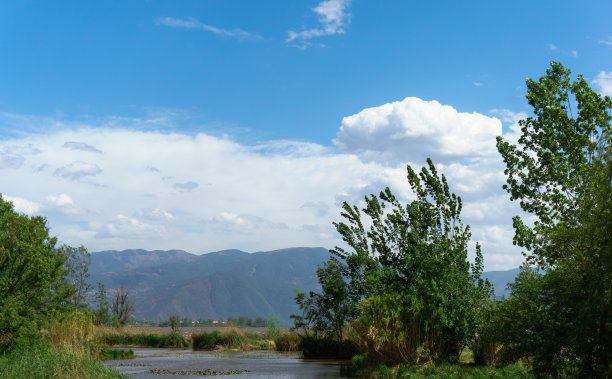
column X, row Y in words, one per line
column 228, row 283
column 221, row 284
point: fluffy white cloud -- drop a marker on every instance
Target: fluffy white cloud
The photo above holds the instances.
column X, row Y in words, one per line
column 161, row 190
column 412, row 129
column 604, row 82
column 332, row 18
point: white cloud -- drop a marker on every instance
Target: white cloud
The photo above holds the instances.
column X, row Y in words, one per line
column 62, row 200
column 606, row 41
column 477, row 84
column 413, row 129
column 77, row 170
column 604, row 82
column 574, row 53
column 192, row 23
column 200, row 193
column 22, row 205
column 552, row 47
column 332, row 18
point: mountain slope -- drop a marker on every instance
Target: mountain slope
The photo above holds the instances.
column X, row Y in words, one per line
column 223, row 284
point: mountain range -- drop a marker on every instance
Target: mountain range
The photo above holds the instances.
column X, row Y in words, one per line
column 228, row 283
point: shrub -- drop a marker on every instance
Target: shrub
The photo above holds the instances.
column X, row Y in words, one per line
column 287, row 342
column 207, row 340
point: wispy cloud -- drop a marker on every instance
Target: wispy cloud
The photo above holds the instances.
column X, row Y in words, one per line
column 477, row 84
column 332, row 19
column 192, row 23
column 606, row 41
column 552, row 47
column 604, row 82
column 574, row 53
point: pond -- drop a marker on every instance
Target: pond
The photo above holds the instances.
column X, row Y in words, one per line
column 170, row 363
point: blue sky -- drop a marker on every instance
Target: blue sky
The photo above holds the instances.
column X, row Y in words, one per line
column 284, row 86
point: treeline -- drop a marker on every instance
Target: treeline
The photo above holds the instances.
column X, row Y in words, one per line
column 402, row 292
column 241, row 321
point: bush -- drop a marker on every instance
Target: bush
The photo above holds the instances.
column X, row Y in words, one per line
column 207, row 340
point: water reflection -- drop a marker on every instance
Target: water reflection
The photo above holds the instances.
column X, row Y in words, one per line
column 168, row 363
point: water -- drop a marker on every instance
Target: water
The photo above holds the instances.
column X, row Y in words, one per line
column 242, row 364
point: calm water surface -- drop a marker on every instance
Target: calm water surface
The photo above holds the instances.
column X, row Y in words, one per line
column 255, row 364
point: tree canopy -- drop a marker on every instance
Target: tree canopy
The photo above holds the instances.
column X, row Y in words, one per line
column 561, row 173
column 32, row 281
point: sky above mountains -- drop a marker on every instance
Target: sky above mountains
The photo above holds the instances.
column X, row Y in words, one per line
column 206, row 125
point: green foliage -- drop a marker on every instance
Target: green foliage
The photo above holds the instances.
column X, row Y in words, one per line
column 410, row 272
column 113, row 354
column 173, row 322
column 329, row 310
column 562, row 174
column 231, row 339
column 47, row 361
column 550, row 172
column 101, row 315
column 32, row 283
column 143, row 339
column 76, row 266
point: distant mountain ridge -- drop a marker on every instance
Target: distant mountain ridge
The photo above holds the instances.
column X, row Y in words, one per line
column 221, row 284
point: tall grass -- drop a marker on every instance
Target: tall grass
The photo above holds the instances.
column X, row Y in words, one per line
column 288, row 341
column 48, row 361
column 64, row 348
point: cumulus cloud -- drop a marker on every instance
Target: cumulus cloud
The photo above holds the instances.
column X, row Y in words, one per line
column 192, row 23
column 77, row 170
column 81, row 146
column 332, row 17
column 604, row 81
column 412, row 129
column 22, row 205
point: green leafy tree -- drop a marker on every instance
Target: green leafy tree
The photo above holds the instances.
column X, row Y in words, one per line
column 173, row 322
column 77, row 260
column 32, row 282
column 329, row 310
column 409, row 271
column 561, row 173
column 101, row 316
